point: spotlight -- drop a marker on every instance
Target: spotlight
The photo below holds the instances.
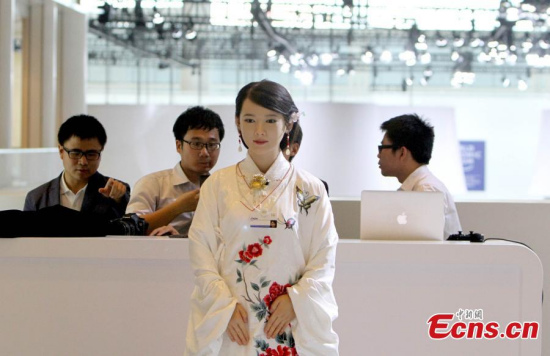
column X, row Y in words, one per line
column 313, row 60
column 285, row 67
column 426, row 58
column 177, row 33
column 307, row 77
column 458, row 41
column 386, row 56
column 428, row 72
column 522, row 84
column 455, row 56
column 326, row 59
column 440, row 41
column 190, row 34
column 368, row 56
column 295, row 58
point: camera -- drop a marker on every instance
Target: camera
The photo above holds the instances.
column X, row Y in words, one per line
column 129, row 224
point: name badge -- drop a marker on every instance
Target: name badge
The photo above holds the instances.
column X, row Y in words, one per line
column 263, row 221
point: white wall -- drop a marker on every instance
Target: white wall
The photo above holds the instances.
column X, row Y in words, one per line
column 340, row 140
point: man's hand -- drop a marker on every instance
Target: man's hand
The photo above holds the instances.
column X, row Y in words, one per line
column 282, row 313
column 164, row 231
column 114, row 190
column 237, row 329
column 188, row 201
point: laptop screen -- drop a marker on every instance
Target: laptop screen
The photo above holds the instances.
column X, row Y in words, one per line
column 401, row 215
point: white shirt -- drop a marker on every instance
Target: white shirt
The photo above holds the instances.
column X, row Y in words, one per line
column 422, row 180
column 159, row 189
column 69, row 199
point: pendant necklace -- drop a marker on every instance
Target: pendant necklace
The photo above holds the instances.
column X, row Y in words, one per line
column 258, row 184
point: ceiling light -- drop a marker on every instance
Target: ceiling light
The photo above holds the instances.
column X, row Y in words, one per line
column 191, row 34
column 368, row 57
column 421, row 46
column 505, row 82
column 426, row 58
column 307, row 77
column 271, row 53
column 386, row 56
column 440, row 41
column 285, row 67
column 313, row 60
column 177, row 33
column 326, row 59
column 455, row 56
column 340, row 72
column 428, row 72
column 522, row 84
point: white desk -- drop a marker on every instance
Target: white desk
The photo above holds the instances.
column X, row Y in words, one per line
column 128, row 296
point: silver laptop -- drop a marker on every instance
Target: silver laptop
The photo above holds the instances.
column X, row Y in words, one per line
column 400, row 215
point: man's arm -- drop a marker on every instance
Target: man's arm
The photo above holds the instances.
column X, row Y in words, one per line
column 186, row 202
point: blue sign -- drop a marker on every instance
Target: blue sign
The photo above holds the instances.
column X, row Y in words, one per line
column 473, row 162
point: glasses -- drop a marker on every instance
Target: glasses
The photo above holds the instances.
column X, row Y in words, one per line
column 210, row 147
column 77, row 154
column 381, row 147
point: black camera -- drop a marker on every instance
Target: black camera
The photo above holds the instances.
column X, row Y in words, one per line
column 129, row 224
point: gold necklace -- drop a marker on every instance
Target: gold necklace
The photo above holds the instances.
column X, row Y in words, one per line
column 263, row 184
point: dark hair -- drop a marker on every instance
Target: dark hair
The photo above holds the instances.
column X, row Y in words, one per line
column 295, row 136
column 268, row 94
column 84, row 127
column 197, row 117
column 412, row 132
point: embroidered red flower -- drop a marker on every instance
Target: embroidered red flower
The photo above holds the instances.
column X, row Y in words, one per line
column 254, row 250
column 245, row 256
column 267, row 240
column 275, row 291
column 280, row 351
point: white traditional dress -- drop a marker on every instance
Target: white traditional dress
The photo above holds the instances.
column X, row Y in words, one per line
column 250, row 243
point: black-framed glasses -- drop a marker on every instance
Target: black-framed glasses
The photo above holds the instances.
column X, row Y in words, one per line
column 210, row 147
column 77, row 154
column 381, row 147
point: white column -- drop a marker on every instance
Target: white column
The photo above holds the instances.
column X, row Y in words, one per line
column 74, row 59
column 49, row 73
column 7, row 19
column 34, row 101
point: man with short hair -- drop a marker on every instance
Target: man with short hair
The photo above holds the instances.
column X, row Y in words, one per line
column 170, row 197
column 80, row 186
column 405, row 152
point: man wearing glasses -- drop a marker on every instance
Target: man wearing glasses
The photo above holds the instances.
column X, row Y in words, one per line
column 405, row 152
column 81, row 187
column 170, row 197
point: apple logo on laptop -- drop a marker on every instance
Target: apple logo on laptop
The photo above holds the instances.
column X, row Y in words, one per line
column 402, row 218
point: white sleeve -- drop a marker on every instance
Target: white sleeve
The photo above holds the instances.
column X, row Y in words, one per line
column 212, row 303
column 144, row 197
column 312, row 297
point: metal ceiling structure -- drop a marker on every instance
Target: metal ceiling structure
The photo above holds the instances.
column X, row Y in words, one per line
column 510, row 39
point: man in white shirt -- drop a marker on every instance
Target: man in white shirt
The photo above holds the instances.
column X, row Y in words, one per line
column 170, row 197
column 80, row 186
column 405, row 152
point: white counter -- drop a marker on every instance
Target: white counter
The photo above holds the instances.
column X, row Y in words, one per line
column 129, row 296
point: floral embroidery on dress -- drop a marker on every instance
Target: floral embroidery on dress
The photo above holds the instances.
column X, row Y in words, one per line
column 288, row 223
column 248, row 256
column 305, row 200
